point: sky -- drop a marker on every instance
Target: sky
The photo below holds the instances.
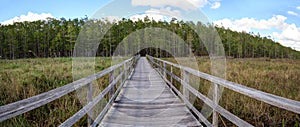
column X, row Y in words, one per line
column 278, row 19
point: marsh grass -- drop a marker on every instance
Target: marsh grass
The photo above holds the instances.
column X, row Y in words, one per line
column 24, row 78
column 276, row 76
column 20, row 79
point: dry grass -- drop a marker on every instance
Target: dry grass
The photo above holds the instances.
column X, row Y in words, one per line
column 20, row 79
column 25, row 78
column 277, row 76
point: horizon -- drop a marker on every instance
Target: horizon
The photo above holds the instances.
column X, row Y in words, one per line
column 277, row 20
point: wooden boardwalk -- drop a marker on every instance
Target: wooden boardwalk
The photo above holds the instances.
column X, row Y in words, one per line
column 146, row 100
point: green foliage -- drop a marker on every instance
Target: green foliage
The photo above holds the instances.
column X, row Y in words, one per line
column 56, row 38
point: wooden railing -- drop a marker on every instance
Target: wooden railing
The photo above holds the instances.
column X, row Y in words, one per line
column 271, row 99
column 20, row 107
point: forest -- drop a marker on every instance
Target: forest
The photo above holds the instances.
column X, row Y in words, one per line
column 57, row 37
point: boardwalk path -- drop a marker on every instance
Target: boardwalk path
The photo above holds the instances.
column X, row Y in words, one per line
column 146, row 100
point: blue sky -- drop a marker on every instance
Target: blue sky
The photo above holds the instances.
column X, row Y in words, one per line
column 279, row 19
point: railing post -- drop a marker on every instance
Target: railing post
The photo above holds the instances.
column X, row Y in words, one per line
column 90, row 99
column 171, row 78
column 184, row 90
column 165, row 68
column 111, row 79
column 125, row 71
column 216, row 101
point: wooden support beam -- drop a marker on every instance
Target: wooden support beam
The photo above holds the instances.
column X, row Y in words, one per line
column 216, row 101
column 90, row 99
column 186, row 79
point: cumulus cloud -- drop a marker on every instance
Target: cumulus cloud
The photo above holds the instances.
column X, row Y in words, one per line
column 292, row 13
column 298, row 7
column 165, row 11
column 183, row 4
column 162, row 14
column 112, row 18
column 156, row 17
column 215, row 5
column 29, row 17
column 289, row 34
column 247, row 24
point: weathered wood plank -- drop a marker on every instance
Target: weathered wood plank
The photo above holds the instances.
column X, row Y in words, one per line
column 190, row 106
column 72, row 120
column 236, row 120
column 110, row 102
column 231, row 117
column 146, row 100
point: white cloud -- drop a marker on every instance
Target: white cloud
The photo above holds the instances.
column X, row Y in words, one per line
column 165, row 11
column 247, row 24
column 184, row 4
column 162, row 14
column 215, row 5
column 112, row 18
column 292, row 13
column 298, row 7
column 156, row 17
column 198, row 3
column 29, row 17
column 289, row 34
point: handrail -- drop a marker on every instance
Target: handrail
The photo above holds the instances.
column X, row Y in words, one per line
column 274, row 100
column 16, row 108
column 90, row 105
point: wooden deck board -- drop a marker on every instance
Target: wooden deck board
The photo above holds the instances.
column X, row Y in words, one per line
column 146, row 100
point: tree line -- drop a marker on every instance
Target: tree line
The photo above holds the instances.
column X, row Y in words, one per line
column 57, row 37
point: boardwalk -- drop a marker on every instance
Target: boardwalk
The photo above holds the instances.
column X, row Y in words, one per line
column 146, row 100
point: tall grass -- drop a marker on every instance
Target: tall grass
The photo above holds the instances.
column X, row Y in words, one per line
column 276, row 76
column 20, row 79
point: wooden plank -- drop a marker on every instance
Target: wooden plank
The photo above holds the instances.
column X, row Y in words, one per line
column 231, row 117
column 146, row 100
column 190, row 106
column 284, row 103
column 102, row 113
column 236, row 120
column 199, row 115
column 72, row 120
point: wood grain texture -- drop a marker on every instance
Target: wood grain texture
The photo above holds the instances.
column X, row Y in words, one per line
column 146, row 100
